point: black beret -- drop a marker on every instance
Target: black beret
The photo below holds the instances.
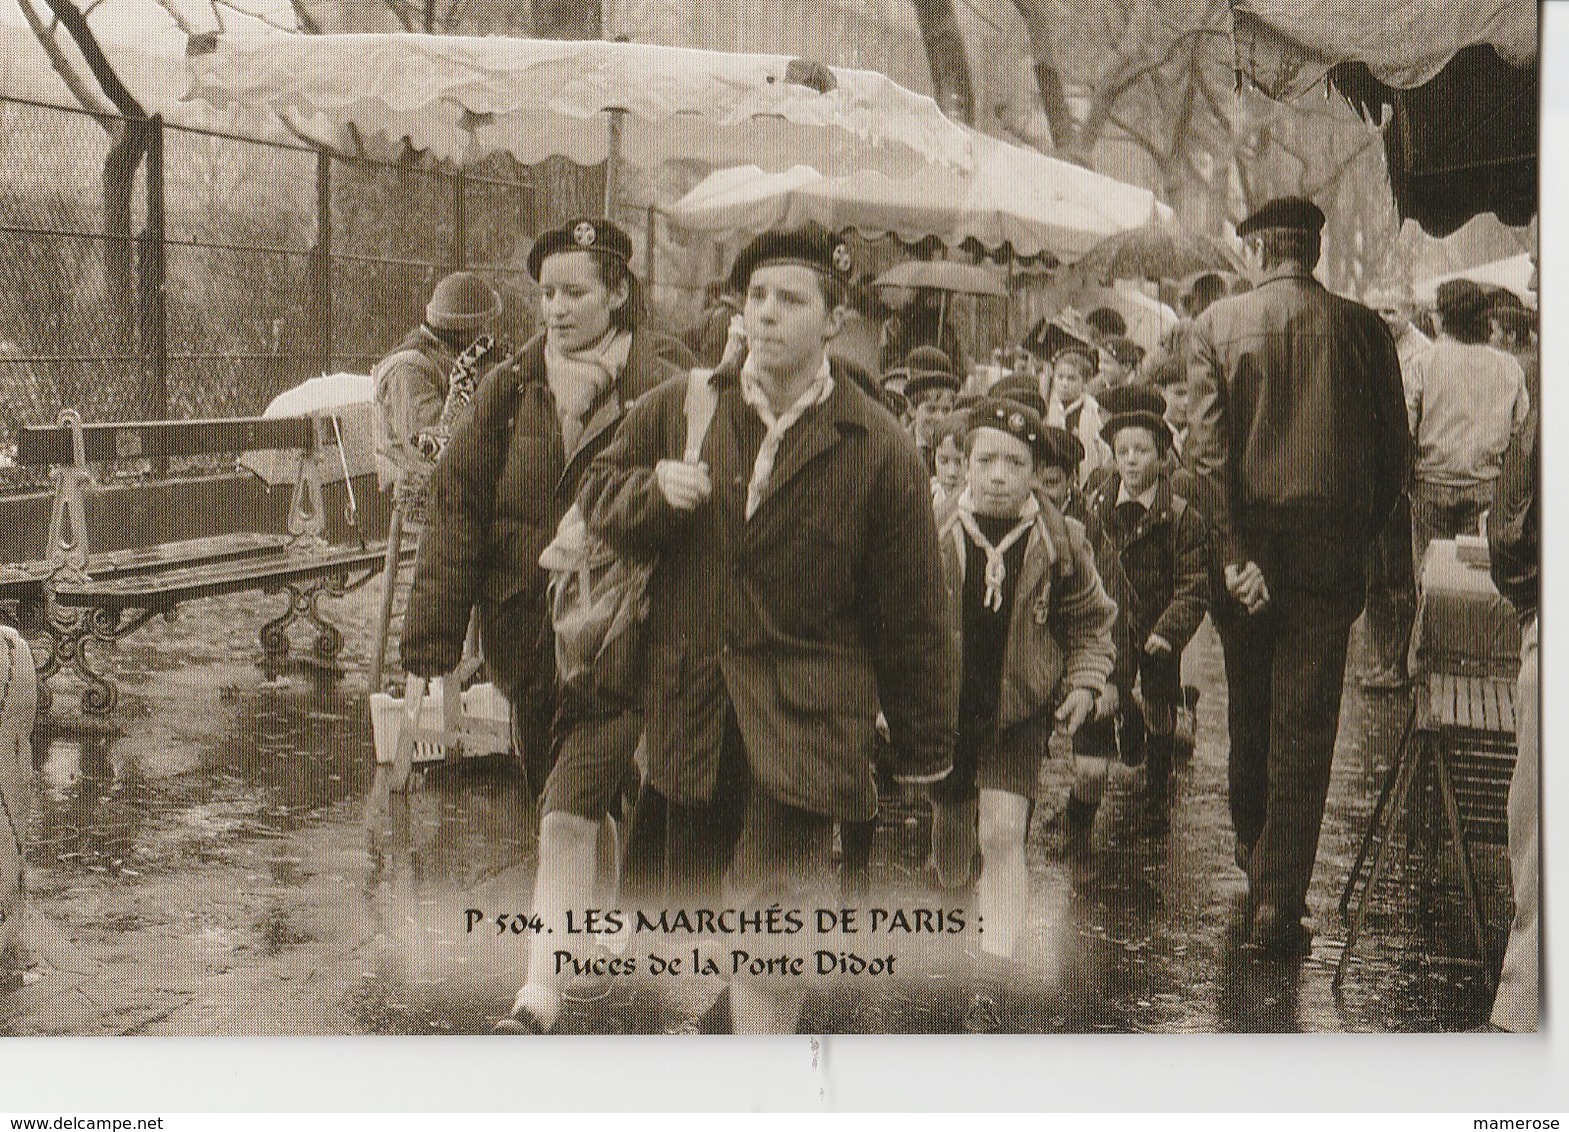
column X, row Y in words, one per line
column 1284, row 212
column 1139, row 418
column 580, row 234
column 927, row 368
column 1007, row 415
column 1067, row 450
column 1125, row 350
column 1132, row 397
column 1024, row 391
column 810, row 245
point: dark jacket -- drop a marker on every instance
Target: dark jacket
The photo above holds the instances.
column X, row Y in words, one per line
column 498, row 493
column 824, row 605
column 1165, row 559
column 1513, row 523
column 1060, row 631
column 1298, row 420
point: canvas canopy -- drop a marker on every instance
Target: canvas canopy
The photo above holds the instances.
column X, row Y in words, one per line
column 1014, row 196
column 461, row 98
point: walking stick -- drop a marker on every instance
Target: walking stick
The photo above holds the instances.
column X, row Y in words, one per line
column 389, row 583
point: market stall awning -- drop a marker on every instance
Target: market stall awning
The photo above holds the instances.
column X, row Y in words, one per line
column 1515, row 273
column 1460, row 80
column 460, row 99
column 1014, row 196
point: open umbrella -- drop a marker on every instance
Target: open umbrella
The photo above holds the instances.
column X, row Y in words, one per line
column 346, row 403
column 461, row 99
column 1156, row 251
column 945, row 276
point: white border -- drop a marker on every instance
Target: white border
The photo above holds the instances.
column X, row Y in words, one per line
column 1484, row 1074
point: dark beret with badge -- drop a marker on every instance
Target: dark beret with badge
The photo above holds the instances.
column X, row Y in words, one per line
column 1024, row 391
column 1067, row 450
column 580, row 234
column 927, row 368
column 1136, row 406
column 1293, row 213
column 1007, row 415
column 810, row 245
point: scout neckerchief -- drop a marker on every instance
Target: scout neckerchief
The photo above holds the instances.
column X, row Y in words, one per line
column 578, row 379
column 996, row 564
column 752, row 393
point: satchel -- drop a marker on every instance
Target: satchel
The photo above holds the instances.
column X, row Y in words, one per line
column 598, row 599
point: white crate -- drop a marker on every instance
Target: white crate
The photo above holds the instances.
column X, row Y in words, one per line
column 484, row 729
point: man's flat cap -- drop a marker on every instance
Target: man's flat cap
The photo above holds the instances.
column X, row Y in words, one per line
column 1297, row 213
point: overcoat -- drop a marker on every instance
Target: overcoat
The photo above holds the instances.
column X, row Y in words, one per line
column 1166, row 558
column 498, row 493
column 804, row 619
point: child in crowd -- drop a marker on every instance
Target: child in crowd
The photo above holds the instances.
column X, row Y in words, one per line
column 1119, row 359
column 1074, row 409
column 948, row 457
column 1164, row 550
column 1031, row 617
column 930, row 388
column 1172, row 380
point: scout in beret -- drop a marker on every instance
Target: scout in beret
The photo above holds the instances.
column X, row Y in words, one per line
column 930, row 387
column 810, row 245
column 581, row 234
column 1163, row 549
column 1119, row 357
column 1033, row 619
column 1023, row 390
column 948, row 459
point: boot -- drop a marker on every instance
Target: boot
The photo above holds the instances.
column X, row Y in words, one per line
column 1155, row 818
column 1078, row 826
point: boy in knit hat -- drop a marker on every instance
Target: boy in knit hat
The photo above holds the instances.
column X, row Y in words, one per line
column 1164, row 550
column 1030, row 617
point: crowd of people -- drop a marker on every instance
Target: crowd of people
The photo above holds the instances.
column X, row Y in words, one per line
column 867, row 563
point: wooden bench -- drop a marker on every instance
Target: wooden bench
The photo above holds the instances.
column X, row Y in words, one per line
column 75, row 597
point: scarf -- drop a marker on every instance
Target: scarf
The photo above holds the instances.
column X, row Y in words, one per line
column 996, row 564
column 752, row 393
column 578, row 380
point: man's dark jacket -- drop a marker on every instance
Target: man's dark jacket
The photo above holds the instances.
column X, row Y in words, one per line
column 1298, row 421
column 825, row 605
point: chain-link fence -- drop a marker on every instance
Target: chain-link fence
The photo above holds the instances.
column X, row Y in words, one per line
column 150, row 270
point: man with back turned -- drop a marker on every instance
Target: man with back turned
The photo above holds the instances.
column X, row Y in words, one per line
column 1299, row 438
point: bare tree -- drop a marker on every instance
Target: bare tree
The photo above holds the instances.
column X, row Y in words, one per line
column 945, row 53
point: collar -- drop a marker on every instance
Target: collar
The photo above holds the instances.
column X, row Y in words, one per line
column 1145, row 498
column 753, row 392
column 1286, row 271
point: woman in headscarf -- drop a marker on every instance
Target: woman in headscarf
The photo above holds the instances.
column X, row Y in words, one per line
column 502, row 486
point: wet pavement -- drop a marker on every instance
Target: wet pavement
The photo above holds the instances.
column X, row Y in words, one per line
column 230, row 861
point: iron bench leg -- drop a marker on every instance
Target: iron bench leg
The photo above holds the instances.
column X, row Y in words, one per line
column 304, row 600
column 68, row 633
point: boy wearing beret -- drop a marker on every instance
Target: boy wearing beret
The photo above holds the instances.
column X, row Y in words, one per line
column 930, row 387
column 1164, row 551
column 1028, row 616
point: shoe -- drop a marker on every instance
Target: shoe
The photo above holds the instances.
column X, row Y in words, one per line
column 983, row 1013
column 1279, row 935
column 520, row 1021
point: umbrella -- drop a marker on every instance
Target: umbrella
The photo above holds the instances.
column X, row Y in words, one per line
column 945, row 276
column 346, row 403
column 1014, row 196
column 1156, row 251
column 461, row 99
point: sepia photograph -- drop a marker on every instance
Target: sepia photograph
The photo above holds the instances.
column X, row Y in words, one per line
column 697, row 517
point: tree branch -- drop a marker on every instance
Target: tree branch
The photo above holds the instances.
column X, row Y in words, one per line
column 73, row 81
column 97, row 62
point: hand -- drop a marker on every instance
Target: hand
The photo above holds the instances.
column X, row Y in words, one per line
column 1106, row 703
column 1246, row 584
column 1076, row 709
column 735, row 345
column 684, row 486
column 1157, row 645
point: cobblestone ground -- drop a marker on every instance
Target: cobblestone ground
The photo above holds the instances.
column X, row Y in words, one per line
column 229, row 861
